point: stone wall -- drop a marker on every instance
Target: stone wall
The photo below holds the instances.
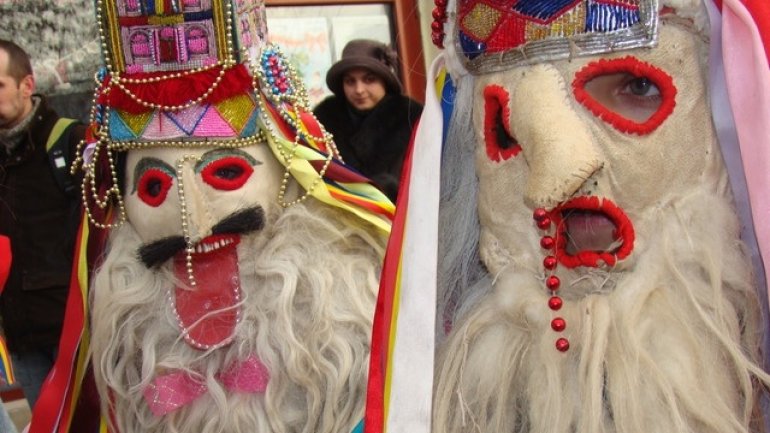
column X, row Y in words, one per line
column 62, row 40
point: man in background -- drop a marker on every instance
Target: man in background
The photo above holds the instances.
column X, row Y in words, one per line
column 39, row 210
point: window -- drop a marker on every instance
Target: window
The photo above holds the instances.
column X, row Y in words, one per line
column 312, row 34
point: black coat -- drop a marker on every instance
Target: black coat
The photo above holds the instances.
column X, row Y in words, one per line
column 41, row 221
column 373, row 142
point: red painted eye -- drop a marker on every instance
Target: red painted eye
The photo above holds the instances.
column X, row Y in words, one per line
column 227, row 173
column 153, row 186
column 499, row 142
column 632, row 96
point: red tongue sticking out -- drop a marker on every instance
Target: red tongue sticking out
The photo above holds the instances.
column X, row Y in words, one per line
column 589, row 231
column 208, row 311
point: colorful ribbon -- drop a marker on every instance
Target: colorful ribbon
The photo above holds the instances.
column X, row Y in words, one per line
column 6, row 369
column 401, row 361
column 341, row 186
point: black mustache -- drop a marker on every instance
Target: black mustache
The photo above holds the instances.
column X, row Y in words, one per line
column 240, row 222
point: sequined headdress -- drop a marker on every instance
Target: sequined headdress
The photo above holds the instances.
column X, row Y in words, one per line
column 187, row 73
column 494, row 35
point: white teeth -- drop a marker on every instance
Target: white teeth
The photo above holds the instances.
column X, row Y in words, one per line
column 208, row 247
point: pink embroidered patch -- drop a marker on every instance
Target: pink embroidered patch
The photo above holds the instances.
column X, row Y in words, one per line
column 172, row 391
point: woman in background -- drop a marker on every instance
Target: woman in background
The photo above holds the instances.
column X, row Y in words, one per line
column 369, row 116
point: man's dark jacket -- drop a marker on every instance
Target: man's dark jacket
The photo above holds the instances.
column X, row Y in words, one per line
column 373, row 142
column 41, row 221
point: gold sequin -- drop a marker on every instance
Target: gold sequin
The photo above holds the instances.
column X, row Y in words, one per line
column 569, row 24
column 236, row 111
column 222, row 28
column 160, row 20
column 136, row 122
column 481, row 20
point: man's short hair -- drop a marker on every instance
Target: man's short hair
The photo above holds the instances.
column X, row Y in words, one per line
column 19, row 65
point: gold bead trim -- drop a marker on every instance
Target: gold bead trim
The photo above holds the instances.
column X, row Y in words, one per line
column 225, row 144
column 189, row 242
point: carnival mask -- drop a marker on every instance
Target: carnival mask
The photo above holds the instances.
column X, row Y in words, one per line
column 597, row 143
column 193, row 206
column 186, row 193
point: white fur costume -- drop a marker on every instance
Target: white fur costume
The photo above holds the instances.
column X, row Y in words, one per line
column 308, row 283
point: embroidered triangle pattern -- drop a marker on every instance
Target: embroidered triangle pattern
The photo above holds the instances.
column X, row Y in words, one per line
column 213, row 125
column 162, row 128
column 135, row 123
column 236, row 111
column 189, row 118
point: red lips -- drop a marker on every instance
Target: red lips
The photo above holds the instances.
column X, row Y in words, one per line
column 591, row 231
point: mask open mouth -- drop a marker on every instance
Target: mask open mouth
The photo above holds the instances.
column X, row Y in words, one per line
column 589, row 231
column 208, row 312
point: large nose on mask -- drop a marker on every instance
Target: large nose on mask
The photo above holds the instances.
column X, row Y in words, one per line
column 197, row 220
column 556, row 143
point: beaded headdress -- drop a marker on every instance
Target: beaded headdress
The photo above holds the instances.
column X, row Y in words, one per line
column 494, row 35
column 201, row 73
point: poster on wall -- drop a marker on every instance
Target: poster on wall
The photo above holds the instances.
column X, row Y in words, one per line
column 306, row 43
column 313, row 36
column 347, row 28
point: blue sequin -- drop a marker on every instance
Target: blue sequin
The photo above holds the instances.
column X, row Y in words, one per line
column 199, row 16
column 359, row 427
column 119, row 131
column 605, row 17
column 448, row 93
column 542, row 9
column 250, row 129
column 470, row 47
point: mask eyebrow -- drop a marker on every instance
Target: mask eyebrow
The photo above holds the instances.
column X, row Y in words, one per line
column 211, row 155
column 145, row 164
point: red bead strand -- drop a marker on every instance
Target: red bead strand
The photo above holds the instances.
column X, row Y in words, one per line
column 437, row 26
column 552, row 282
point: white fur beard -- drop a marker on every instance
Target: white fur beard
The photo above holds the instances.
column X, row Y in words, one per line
column 668, row 346
column 308, row 288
